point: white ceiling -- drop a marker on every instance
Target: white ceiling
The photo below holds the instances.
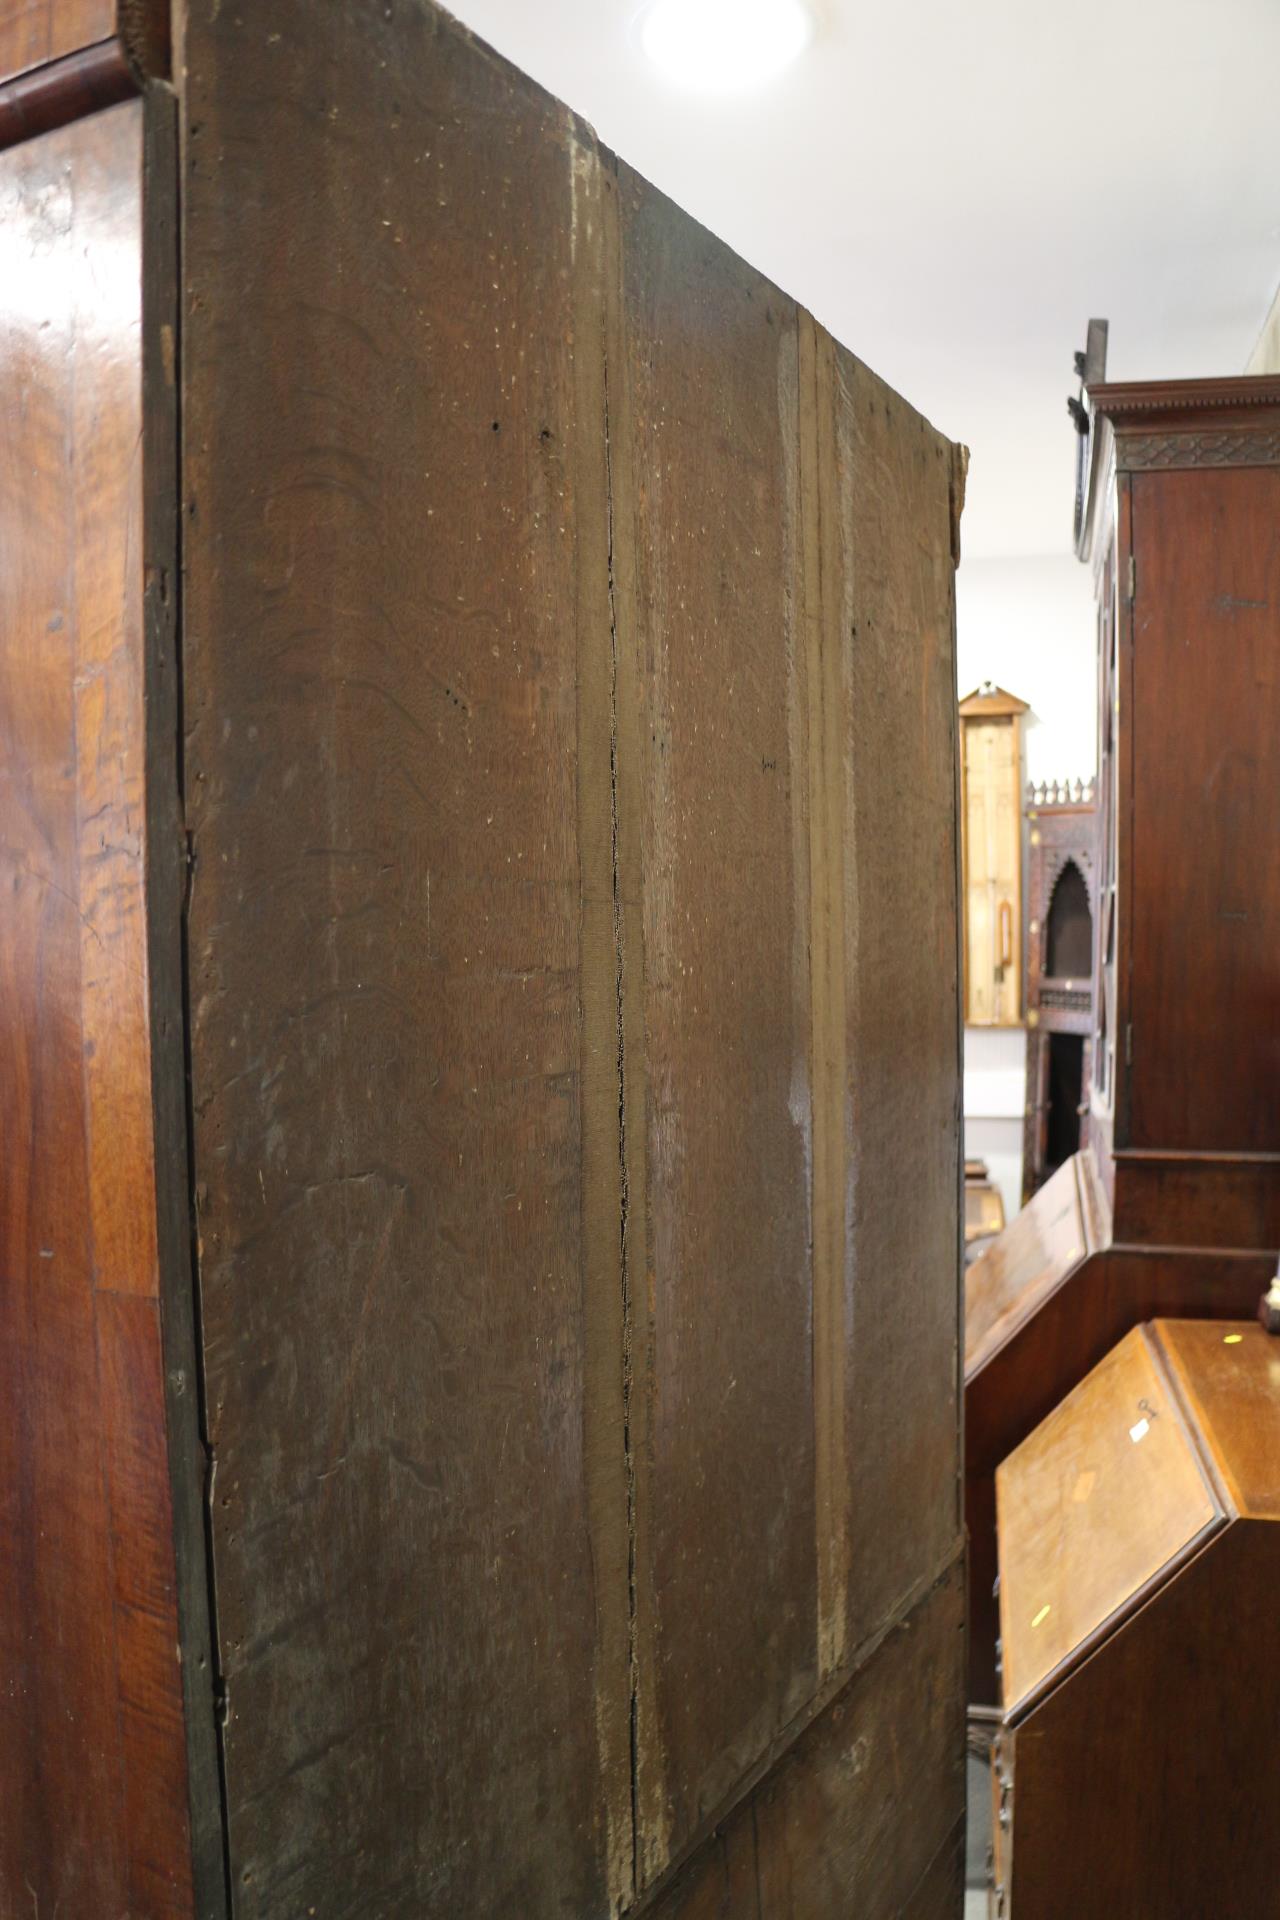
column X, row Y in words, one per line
column 954, row 189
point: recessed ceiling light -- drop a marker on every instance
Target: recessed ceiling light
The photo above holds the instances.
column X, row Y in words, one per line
column 724, row 46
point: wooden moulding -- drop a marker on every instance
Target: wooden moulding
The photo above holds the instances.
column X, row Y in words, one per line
column 62, row 59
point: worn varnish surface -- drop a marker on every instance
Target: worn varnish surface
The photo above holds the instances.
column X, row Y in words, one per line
column 1206, row 810
column 1049, row 1350
column 93, row 1779
column 1090, row 1508
column 1136, row 1776
column 1229, row 1374
column 1022, row 1266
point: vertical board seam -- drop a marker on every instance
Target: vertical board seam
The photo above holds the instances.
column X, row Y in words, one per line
column 824, row 647
column 608, row 1463
column 624, row 1196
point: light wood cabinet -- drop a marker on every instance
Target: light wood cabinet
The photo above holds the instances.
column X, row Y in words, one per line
column 991, row 814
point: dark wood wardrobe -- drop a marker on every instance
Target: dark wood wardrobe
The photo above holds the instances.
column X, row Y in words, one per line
column 479, row 1348
column 1172, row 1208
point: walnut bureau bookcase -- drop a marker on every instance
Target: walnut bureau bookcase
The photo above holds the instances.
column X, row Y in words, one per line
column 479, row 1334
column 1172, row 1206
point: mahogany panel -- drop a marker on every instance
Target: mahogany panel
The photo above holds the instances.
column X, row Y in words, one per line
column 1103, row 1496
column 703, row 424
column 1204, row 886
column 1106, row 1295
column 1025, row 1263
column 1047, row 1351
column 1228, row 1373
column 1197, row 1199
column 394, row 481
column 37, row 33
column 1139, row 1785
column 93, row 1777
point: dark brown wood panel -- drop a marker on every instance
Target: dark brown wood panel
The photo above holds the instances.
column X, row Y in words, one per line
column 1197, row 1200
column 863, row 1814
column 1205, row 879
column 1026, row 1262
column 93, row 1779
column 902, row 1331
column 394, row 481
column 1159, row 1759
column 703, row 427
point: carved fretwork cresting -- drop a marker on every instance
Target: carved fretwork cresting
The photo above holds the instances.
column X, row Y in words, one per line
column 1231, row 447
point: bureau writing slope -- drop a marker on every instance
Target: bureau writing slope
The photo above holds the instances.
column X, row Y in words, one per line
column 1139, row 1553
column 479, row 1094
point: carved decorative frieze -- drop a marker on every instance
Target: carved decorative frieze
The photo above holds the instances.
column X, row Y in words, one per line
column 1229, row 447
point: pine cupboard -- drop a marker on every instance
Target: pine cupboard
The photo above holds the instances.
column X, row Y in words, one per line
column 479, row 1361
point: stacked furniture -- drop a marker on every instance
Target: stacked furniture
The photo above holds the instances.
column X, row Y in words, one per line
column 1172, row 1206
column 1139, row 1564
column 479, row 1338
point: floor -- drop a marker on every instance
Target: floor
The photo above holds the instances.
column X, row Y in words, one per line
column 976, row 1842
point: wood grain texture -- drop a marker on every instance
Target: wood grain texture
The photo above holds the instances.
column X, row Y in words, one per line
column 1206, row 924
column 1139, row 1784
column 706, row 425
column 1104, row 1495
column 863, row 1814
column 386, row 515
column 1065, row 1324
column 1229, row 1374
column 1034, row 1254
column 522, row 554
column 902, row 1326
column 1194, row 1199
column 93, row 1792
column 36, row 34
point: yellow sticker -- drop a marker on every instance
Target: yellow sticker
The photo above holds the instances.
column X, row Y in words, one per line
column 1232, row 1339
column 1041, row 1616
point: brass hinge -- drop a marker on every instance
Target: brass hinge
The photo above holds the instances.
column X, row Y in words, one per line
column 1128, row 1043
column 1133, row 579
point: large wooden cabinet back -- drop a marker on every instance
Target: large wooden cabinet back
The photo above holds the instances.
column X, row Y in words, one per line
column 480, row 1088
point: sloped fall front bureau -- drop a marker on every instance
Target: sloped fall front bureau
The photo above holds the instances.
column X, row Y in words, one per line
column 479, row 1342
column 1134, row 1764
